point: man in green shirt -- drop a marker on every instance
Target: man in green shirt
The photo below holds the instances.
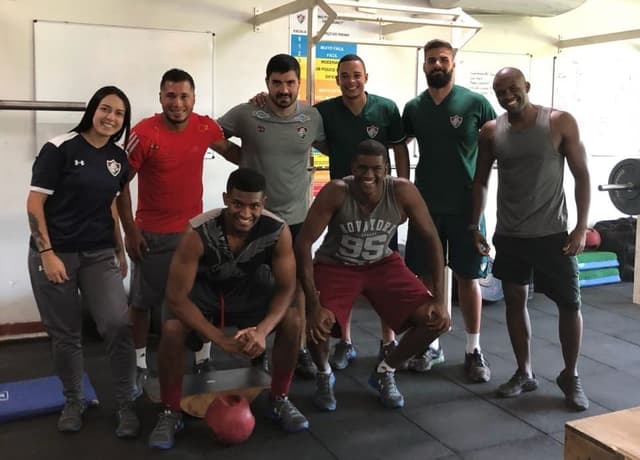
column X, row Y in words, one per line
column 445, row 120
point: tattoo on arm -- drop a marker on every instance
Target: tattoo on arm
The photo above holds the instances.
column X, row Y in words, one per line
column 34, row 225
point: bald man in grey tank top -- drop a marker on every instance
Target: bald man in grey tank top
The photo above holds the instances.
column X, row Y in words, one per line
column 531, row 144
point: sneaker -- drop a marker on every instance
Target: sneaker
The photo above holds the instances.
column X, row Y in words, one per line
column 517, row 384
column 573, row 393
column 290, row 418
column 70, row 420
column 425, row 361
column 164, row 433
column 128, row 422
column 385, row 384
column 142, row 374
column 203, row 367
column 262, row 362
column 476, row 367
column 305, row 367
column 385, row 350
column 343, row 354
column 324, row 399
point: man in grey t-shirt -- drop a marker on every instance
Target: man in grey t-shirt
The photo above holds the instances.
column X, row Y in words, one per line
column 276, row 141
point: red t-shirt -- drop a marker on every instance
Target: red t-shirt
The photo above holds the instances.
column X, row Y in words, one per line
column 169, row 166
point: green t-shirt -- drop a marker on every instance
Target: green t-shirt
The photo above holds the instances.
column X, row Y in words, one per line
column 447, row 136
column 380, row 120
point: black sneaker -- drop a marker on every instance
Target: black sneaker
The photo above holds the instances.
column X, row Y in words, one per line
column 203, row 367
column 305, row 367
column 70, row 420
column 476, row 367
column 573, row 393
column 290, row 418
column 385, row 350
column 520, row 382
column 343, row 354
column 385, row 384
column 164, row 434
column 324, row 398
column 423, row 362
column 128, row 422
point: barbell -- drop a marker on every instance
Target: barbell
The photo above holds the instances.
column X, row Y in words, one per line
column 624, row 186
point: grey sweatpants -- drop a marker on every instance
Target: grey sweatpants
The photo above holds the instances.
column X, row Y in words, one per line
column 95, row 276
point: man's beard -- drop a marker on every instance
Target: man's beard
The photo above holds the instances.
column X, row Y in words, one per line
column 439, row 79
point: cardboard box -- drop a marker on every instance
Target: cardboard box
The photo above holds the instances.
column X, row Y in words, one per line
column 613, row 436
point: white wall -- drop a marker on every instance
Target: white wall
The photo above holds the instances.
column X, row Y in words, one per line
column 240, row 59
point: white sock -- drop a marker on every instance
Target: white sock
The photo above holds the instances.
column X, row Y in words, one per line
column 141, row 357
column 435, row 344
column 384, row 367
column 204, row 353
column 386, row 344
column 473, row 342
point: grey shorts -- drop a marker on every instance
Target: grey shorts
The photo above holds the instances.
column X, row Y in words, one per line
column 149, row 276
column 521, row 260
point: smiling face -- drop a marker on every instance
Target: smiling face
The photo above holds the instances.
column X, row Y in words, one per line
column 438, row 67
column 351, row 79
column 243, row 210
column 283, row 88
column 108, row 117
column 177, row 99
column 512, row 90
column 368, row 172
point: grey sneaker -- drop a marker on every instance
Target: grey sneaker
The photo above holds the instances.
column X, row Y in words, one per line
column 203, row 367
column 305, row 367
column 343, row 354
column 324, row 399
column 425, row 361
column 519, row 383
column 476, row 367
column 70, row 420
column 573, row 393
column 290, row 418
column 128, row 422
column 385, row 384
column 163, row 435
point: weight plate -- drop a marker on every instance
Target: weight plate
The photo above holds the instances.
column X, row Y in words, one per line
column 625, row 172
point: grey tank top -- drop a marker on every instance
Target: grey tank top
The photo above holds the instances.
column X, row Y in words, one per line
column 531, row 200
column 356, row 237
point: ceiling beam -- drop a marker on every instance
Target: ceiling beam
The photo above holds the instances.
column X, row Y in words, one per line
column 603, row 38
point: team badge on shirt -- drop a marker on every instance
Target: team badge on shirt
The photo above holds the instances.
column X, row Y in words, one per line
column 372, row 131
column 261, row 129
column 456, row 121
column 113, row 167
column 302, row 132
column 261, row 114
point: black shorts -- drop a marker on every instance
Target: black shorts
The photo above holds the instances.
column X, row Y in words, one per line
column 541, row 260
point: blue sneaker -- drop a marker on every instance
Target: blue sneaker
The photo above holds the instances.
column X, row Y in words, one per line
column 163, row 435
column 385, row 384
column 324, row 399
column 343, row 354
column 290, row 418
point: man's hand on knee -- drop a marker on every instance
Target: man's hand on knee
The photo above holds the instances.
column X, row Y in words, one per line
column 320, row 322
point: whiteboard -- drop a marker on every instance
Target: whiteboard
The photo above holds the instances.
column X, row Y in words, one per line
column 72, row 60
column 602, row 97
column 475, row 70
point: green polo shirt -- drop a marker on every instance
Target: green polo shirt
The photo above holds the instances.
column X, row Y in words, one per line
column 379, row 119
column 447, row 136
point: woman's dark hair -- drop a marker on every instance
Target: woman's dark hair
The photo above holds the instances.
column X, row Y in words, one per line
column 87, row 119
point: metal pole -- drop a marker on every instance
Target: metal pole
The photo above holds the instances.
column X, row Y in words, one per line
column 43, row 105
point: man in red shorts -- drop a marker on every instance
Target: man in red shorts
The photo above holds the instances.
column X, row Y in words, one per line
column 361, row 213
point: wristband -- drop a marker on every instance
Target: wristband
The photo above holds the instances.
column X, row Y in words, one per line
column 45, row 250
column 473, row 228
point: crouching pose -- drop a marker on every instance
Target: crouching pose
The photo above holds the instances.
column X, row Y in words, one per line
column 362, row 213
column 233, row 267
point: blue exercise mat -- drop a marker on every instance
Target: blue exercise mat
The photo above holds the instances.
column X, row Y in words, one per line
column 28, row 398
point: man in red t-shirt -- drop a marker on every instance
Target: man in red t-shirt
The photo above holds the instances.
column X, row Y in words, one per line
column 166, row 151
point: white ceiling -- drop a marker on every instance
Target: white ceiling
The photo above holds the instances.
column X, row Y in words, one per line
column 511, row 7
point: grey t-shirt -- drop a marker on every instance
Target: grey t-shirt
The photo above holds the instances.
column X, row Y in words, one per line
column 278, row 148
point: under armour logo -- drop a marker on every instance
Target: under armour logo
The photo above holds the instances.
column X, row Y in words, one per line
column 78, row 162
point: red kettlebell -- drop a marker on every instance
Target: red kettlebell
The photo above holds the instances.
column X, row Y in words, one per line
column 230, row 419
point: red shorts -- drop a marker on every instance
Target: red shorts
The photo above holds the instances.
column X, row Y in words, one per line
column 391, row 288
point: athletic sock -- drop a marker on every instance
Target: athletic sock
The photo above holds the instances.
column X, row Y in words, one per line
column 473, row 342
column 204, row 353
column 384, row 367
column 435, row 344
column 141, row 357
column 280, row 383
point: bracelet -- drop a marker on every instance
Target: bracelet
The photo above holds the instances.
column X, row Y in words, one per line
column 473, row 228
column 45, row 250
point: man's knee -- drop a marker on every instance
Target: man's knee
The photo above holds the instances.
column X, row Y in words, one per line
column 423, row 318
column 291, row 322
column 174, row 331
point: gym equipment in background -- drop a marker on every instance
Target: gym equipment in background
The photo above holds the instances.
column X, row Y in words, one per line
column 624, row 186
column 230, row 419
column 28, row 398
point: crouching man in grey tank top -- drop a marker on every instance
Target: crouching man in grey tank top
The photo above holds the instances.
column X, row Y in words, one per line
column 531, row 144
column 361, row 214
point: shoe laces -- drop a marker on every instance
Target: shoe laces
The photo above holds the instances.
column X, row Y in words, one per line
column 168, row 420
column 305, row 358
column 388, row 382
column 73, row 407
column 477, row 359
column 285, row 408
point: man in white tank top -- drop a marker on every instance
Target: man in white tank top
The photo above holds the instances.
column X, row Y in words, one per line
column 361, row 213
column 531, row 144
